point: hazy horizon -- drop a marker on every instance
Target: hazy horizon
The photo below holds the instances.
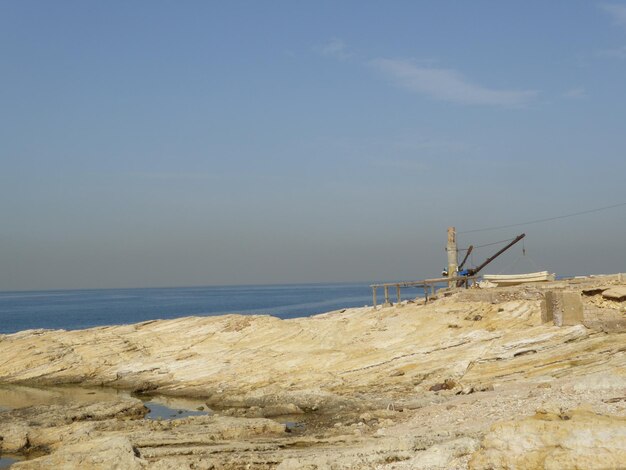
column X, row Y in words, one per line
column 158, row 144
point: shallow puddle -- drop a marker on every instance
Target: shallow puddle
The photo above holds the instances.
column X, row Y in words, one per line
column 21, row 396
column 294, row 426
column 161, row 407
column 6, row 462
column 161, row 411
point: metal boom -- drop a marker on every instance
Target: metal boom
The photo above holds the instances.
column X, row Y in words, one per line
column 474, row 271
column 469, row 251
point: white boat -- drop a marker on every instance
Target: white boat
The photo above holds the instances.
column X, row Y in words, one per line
column 513, row 279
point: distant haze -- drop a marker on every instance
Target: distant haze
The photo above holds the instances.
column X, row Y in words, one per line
column 196, row 143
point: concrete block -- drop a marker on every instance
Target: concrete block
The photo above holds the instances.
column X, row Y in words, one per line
column 572, row 309
column 547, row 307
column 562, row 308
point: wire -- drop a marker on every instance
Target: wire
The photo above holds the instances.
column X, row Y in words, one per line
column 486, row 244
column 494, row 243
column 548, row 219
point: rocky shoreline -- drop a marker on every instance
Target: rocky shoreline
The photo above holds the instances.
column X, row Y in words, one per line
column 477, row 378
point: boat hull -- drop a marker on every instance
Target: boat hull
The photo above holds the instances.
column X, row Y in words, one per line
column 514, row 279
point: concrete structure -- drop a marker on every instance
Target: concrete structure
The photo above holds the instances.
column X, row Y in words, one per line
column 563, row 308
column 453, row 259
column 429, row 286
column 548, row 306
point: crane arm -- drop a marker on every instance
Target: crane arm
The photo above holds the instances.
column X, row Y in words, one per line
column 475, row 270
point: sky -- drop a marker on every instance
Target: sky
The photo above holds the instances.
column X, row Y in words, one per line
column 160, row 143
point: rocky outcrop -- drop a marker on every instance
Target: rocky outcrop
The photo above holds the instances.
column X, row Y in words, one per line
column 41, row 428
column 412, row 387
column 554, row 439
column 617, row 293
column 605, row 307
column 447, row 455
column 98, row 454
column 105, row 434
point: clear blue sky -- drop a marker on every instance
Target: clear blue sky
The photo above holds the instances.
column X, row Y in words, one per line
column 154, row 143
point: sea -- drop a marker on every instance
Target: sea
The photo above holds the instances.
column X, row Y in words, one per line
column 77, row 309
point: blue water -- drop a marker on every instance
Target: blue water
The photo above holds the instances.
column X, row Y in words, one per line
column 6, row 462
column 159, row 411
column 87, row 308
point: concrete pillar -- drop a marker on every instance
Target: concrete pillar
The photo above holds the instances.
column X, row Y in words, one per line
column 374, row 296
column 387, row 302
column 453, row 260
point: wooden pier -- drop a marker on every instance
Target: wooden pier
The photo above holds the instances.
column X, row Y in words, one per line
column 426, row 284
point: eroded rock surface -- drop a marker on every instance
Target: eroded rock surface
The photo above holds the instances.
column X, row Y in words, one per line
column 555, row 439
column 421, row 386
column 96, row 454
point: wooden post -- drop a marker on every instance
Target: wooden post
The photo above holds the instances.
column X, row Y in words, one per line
column 453, row 261
column 374, row 296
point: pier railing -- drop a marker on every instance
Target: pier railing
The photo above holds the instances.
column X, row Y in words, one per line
column 426, row 284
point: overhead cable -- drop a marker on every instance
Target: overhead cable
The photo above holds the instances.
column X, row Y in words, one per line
column 548, row 219
column 486, row 244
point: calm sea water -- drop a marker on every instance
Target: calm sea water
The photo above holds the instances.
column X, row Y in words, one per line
column 87, row 308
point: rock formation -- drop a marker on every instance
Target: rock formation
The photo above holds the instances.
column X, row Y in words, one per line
column 453, row 383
